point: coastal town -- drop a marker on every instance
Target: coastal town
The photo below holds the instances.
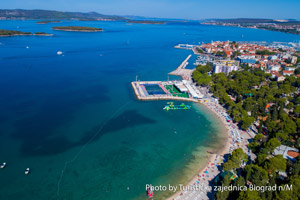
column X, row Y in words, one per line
column 286, row 26
column 249, row 118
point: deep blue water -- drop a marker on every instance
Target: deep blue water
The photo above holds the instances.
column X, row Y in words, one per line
column 74, row 120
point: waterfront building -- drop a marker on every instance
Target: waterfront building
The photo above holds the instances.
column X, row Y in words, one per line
column 181, row 87
column 225, row 66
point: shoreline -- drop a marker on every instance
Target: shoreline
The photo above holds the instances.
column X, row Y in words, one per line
column 26, row 35
column 212, row 156
column 77, row 30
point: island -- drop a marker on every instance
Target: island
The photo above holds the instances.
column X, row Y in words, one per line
column 4, row 33
column 48, row 21
column 145, row 22
column 77, row 28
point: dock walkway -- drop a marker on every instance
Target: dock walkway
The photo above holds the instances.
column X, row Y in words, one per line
column 185, row 74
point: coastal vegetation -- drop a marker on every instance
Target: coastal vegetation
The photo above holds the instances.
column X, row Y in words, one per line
column 200, row 75
column 264, row 52
column 48, row 21
column 16, row 33
column 77, row 28
column 250, row 97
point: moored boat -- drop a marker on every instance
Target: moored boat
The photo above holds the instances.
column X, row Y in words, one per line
column 27, row 171
column 3, row 165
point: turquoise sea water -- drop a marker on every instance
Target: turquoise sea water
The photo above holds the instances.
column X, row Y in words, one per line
column 74, row 119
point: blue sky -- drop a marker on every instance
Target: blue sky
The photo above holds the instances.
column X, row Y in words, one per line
column 185, row 9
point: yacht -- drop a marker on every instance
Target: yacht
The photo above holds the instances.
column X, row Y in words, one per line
column 59, row 52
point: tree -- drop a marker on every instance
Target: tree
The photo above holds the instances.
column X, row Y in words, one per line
column 260, row 127
column 276, row 163
column 256, row 175
column 290, row 105
column 288, row 126
column 293, row 194
column 272, row 144
column 246, row 122
column 261, row 158
column 237, row 157
column 246, row 195
column 297, row 71
column 297, row 109
column 222, row 195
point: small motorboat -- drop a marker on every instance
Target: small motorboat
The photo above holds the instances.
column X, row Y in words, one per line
column 27, row 47
column 3, row 165
column 27, row 171
column 59, row 53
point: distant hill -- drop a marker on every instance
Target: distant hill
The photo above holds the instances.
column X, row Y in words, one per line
column 252, row 20
column 50, row 14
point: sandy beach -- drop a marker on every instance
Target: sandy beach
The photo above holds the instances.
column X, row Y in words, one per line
column 199, row 183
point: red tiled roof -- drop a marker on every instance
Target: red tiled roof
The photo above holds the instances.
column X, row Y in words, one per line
column 293, row 154
column 287, row 72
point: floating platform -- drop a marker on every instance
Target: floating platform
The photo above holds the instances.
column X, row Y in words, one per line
column 171, row 106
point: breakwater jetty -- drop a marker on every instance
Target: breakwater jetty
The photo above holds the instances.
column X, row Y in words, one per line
column 183, row 90
column 185, row 74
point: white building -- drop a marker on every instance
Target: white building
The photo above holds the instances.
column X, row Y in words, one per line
column 290, row 68
column 181, row 87
column 195, row 93
column 225, row 66
column 274, row 68
column 287, row 152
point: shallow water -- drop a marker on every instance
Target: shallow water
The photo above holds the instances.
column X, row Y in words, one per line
column 74, row 120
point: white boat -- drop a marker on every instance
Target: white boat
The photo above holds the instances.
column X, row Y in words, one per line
column 59, row 52
column 3, row 165
column 27, row 47
column 27, row 171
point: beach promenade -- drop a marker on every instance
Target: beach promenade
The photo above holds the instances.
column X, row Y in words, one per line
column 212, row 169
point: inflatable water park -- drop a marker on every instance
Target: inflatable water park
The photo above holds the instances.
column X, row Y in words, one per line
column 172, row 106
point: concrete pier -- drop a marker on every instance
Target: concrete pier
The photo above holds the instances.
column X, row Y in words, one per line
column 185, row 74
column 140, row 94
